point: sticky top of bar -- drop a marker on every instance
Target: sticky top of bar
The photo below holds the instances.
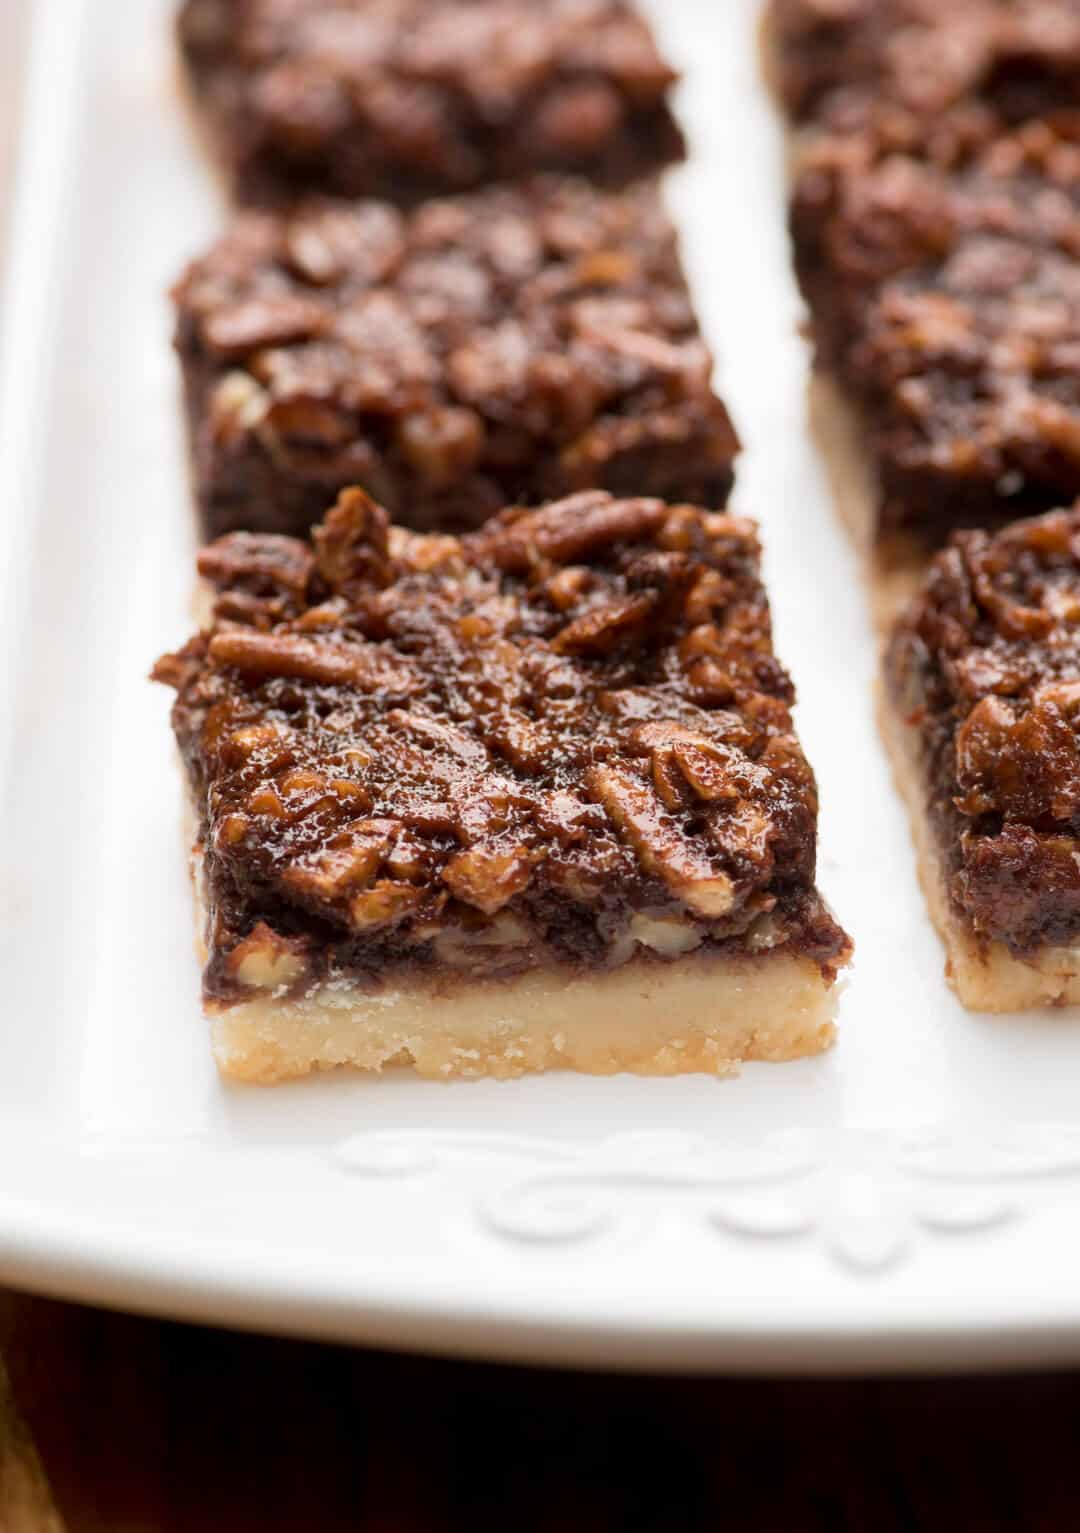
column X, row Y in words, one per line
column 405, row 98
column 560, row 739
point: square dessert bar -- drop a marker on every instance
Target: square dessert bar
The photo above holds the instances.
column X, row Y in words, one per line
column 412, row 98
column 981, row 706
column 521, row 799
column 936, row 222
column 916, row 64
column 945, row 302
column 512, row 345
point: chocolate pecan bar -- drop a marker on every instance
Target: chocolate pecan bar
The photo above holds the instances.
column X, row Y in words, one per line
column 411, row 98
column 935, row 219
column 981, row 709
column 526, row 798
column 511, row 345
column 917, row 63
column 945, row 302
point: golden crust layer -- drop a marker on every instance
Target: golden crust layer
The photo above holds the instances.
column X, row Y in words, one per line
column 696, row 1015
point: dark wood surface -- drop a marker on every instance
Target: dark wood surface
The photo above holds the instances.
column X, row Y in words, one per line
column 156, row 1428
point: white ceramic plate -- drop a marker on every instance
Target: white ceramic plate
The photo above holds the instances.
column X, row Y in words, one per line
column 909, row 1201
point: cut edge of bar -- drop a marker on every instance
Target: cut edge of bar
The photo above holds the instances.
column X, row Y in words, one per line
column 693, row 1015
column 689, row 1016
column 986, row 977
column 892, row 566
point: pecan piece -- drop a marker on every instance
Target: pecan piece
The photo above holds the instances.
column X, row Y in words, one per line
column 180, row 669
column 454, row 742
column 686, row 362
column 271, row 740
column 572, row 529
column 256, row 323
column 1022, row 762
column 384, row 904
column 266, row 961
column 669, row 935
column 660, row 847
column 488, row 876
column 603, row 628
column 289, row 654
column 260, row 562
column 570, row 819
column 349, row 862
column 442, row 443
column 352, row 546
column 238, row 404
column 703, row 764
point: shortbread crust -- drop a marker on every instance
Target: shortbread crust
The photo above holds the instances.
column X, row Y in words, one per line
column 700, row 1016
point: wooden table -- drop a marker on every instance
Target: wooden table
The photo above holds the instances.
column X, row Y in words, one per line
column 153, row 1428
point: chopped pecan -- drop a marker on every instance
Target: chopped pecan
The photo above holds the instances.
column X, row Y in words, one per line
column 267, row 801
column 688, row 362
column 297, row 424
column 661, row 847
column 572, row 820
column 260, row 563
column 567, row 586
column 349, row 861
column 267, row 739
column 180, row 669
column 745, row 835
column 604, row 627
column 237, row 404
column 1020, row 761
column 442, row 443
column 669, row 935
column 488, row 876
column 261, row 322
column 572, row 530
column 352, row 546
column 575, row 118
column 455, row 742
column 383, row 905
column 706, row 766
column 288, row 654
column 327, row 242
column 266, row 961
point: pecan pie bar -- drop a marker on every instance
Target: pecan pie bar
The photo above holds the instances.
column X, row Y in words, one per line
column 508, row 346
column 916, row 64
column 945, row 317
column 521, row 799
column 981, row 708
column 935, row 221
column 412, row 98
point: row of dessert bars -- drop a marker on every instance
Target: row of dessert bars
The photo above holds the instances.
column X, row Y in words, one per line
column 479, row 790
column 935, row 216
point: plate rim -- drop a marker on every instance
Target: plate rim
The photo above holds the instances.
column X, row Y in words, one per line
column 45, row 1250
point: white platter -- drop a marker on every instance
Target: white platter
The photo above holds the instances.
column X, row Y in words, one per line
column 911, row 1201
